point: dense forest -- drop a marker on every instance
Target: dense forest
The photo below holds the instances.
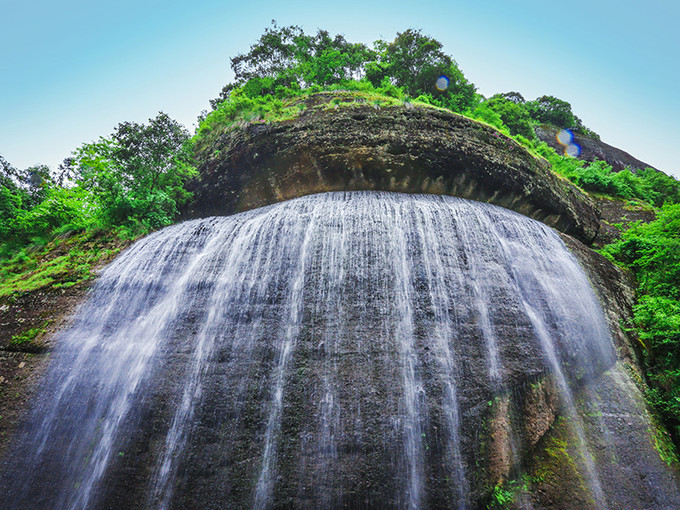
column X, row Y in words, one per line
column 138, row 179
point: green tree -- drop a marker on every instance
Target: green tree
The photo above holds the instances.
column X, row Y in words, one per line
column 414, row 62
column 513, row 114
column 557, row 112
column 33, row 206
column 551, row 110
column 285, row 58
column 12, row 199
column 137, row 175
column 515, row 97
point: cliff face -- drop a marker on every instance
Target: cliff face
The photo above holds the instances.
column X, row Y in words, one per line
column 524, row 446
column 592, row 149
column 407, row 149
column 346, row 350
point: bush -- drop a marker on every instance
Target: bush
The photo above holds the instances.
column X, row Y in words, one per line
column 513, row 114
column 652, row 252
column 649, row 185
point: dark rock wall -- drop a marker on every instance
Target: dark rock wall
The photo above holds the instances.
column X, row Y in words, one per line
column 406, row 149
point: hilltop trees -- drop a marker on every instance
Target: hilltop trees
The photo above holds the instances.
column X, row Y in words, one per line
column 285, row 60
column 519, row 116
column 133, row 179
column 554, row 111
column 414, row 62
column 514, row 115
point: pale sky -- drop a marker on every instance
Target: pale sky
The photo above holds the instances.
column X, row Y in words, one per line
column 72, row 70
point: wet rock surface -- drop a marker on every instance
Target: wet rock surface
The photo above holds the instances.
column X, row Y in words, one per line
column 615, row 289
column 404, row 148
column 373, row 300
column 620, row 433
column 21, row 366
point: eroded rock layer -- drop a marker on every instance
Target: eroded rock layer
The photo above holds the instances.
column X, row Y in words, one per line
column 353, row 146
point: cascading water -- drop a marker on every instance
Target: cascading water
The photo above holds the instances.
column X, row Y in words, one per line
column 328, row 351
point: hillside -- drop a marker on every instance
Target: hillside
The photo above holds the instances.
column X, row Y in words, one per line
column 309, row 114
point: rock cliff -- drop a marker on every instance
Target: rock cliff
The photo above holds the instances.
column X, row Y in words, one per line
column 350, row 145
column 524, row 447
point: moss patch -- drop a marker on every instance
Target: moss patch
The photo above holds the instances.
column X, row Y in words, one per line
column 60, row 264
column 29, row 340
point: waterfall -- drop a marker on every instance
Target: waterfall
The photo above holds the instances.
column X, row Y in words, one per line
column 333, row 350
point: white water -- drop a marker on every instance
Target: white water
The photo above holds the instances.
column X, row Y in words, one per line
column 349, row 334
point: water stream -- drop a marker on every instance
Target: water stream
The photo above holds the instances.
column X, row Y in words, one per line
column 326, row 351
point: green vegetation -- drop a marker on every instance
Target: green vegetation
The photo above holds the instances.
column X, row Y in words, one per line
column 136, row 176
column 131, row 183
column 286, row 60
column 62, row 263
column 242, row 109
column 29, row 340
column 56, row 227
column 652, row 252
column 504, row 495
column 648, row 185
column 286, row 63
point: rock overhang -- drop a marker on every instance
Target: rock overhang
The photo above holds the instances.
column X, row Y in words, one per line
column 406, row 148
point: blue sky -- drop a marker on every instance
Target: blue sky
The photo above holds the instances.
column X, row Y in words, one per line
column 70, row 71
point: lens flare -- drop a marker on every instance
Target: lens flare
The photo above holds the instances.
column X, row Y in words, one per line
column 573, row 150
column 442, row 83
column 565, row 137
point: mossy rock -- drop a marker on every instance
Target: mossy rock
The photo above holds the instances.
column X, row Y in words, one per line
column 352, row 145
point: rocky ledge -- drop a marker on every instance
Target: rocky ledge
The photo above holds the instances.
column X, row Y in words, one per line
column 340, row 143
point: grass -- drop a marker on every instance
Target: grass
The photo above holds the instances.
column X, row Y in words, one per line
column 29, row 340
column 59, row 264
column 241, row 111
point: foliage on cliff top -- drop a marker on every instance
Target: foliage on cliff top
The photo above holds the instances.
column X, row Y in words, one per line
column 287, row 58
column 286, row 63
column 245, row 107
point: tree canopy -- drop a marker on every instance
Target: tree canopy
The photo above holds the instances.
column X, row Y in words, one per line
column 286, row 58
column 137, row 174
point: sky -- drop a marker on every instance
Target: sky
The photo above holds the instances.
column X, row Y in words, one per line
column 70, row 71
